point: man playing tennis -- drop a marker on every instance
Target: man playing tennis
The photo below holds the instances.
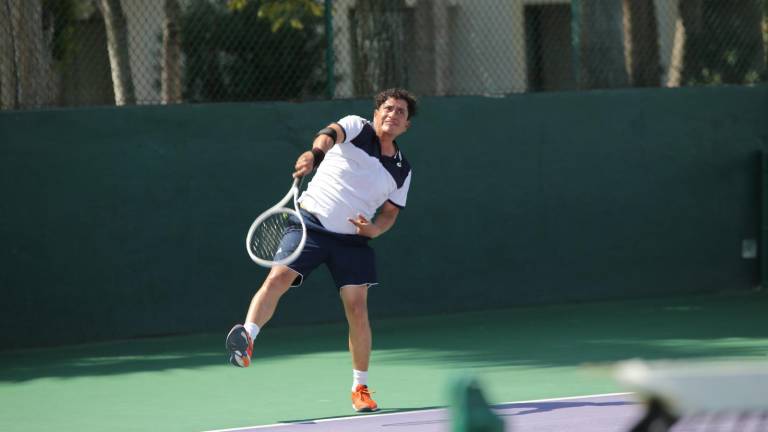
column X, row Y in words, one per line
column 363, row 174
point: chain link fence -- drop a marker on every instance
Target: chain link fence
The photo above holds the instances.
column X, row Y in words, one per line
column 122, row 52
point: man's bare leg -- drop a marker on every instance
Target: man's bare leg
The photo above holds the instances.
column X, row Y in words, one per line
column 355, row 299
column 265, row 300
column 240, row 339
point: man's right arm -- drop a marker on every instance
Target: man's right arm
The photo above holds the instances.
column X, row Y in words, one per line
column 323, row 142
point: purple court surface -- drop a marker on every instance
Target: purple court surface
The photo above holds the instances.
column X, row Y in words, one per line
column 597, row 413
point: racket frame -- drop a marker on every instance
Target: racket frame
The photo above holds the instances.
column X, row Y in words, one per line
column 280, row 207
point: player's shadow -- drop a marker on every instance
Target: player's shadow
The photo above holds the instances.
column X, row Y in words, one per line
column 444, row 415
column 541, row 407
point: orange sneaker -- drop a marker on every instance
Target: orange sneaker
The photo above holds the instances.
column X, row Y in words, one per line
column 361, row 399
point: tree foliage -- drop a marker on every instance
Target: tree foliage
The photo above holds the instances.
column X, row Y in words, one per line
column 242, row 50
column 735, row 53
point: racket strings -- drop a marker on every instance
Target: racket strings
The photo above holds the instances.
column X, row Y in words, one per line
column 268, row 235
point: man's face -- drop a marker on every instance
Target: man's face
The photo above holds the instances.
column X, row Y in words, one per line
column 391, row 117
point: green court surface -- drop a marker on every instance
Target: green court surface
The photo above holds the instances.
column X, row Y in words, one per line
column 185, row 384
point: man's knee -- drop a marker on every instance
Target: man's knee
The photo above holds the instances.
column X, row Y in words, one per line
column 279, row 279
column 355, row 302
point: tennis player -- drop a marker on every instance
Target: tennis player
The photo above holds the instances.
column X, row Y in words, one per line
column 360, row 186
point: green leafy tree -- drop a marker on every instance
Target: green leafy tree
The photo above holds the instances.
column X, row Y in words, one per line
column 242, row 50
column 724, row 41
column 287, row 12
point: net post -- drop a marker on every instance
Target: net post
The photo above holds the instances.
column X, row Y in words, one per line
column 469, row 410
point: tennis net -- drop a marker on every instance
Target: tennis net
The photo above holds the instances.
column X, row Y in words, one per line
column 699, row 396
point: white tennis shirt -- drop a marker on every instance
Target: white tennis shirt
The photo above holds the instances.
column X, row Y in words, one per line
column 355, row 178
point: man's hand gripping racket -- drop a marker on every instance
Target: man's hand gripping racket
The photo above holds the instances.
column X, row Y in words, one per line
column 265, row 243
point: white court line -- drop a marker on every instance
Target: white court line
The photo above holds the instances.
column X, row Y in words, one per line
column 358, row 417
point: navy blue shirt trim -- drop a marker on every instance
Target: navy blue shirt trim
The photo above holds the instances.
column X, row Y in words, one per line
column 397, row 166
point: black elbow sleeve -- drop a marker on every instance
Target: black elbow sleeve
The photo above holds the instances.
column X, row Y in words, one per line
column 329, row 131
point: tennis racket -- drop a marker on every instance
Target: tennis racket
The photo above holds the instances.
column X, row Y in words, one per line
column 264, row 241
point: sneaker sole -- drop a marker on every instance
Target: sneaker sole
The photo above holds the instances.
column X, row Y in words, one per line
column 364, row 409
column 237, row 346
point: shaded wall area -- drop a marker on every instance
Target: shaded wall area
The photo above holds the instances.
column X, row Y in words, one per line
column 124, row 222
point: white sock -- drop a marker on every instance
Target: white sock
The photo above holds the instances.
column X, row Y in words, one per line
column 359, row 377
column 252, row 329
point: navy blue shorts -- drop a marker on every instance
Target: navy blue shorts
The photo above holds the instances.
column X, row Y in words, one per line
column 348, row 257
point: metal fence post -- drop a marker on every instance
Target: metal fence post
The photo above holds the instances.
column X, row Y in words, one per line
column 329, row 54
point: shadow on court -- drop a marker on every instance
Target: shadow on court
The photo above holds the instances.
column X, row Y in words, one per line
column 379, row 412
column 542, row 407
column 730, row 325
column 690, row 327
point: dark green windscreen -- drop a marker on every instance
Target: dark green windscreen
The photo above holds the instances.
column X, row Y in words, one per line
column 119, row 222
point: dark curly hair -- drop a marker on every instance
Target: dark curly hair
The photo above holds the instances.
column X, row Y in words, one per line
column 397, row 93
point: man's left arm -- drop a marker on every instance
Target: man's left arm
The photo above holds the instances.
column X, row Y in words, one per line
column 383, row 221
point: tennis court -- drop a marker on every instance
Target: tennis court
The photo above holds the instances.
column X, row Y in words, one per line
column 600, row 413
column 539, row 366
